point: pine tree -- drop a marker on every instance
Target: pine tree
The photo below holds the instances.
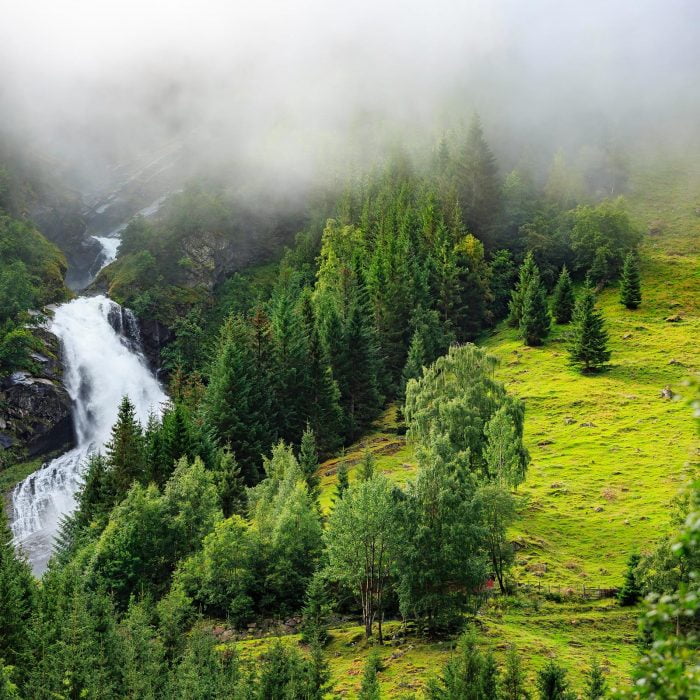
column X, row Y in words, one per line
column 596, row 687
column 316, row 611
column 415, row 361
column 176, row 438
column 308, row 461
column 322, row 398
column 343, row 482
column 515, row 307
column 237, row 403
column 369, row 689
column 552, row 683
column 126, row 452
column 630, row 593
column 589, row 340
column 230, row 483
column 600, row 267
column 478, row 184
column 563, row 298
column 535, row 320
column 513, row 683
column 630, row 284
column 367, row 466
column 17, row 592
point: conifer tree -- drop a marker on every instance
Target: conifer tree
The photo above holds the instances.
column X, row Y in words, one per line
column 308, row 461
column 553, row 684
column 563, row 298
column 415, row 361
column 630, row 284
column 230, row 483
column 237, row 400
column 630, row 593
column 316, row 611
column 478, row 185
column 343, row 482
column 600, row 267
column 367, row 466
column 17, row 592
column 176, row 438
column 527, row 270
column 322, row 397
column 369, row 688
column 588, row 346
column 501, row 278
column 513, row 683
column 535, row 320
column 126, row 450
column 596, row 687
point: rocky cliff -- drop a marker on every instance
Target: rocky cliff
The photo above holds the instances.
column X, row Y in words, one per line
column 35, row 408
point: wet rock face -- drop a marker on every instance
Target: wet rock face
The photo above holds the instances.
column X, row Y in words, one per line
column 154, row 337
column 35, row 409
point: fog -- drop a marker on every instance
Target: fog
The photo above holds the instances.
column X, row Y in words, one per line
column 291, row 89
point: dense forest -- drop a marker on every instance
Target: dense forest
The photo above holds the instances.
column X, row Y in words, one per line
column 349, row 352
column 211, row 511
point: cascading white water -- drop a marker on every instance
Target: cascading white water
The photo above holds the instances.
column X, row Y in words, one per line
column 102, row 363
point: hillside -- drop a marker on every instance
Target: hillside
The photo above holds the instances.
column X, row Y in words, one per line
column 608, row 452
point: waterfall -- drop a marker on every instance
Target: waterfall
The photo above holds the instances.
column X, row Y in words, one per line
column 102, row 362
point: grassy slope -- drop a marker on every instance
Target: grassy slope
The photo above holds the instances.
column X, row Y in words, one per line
column 595, row 492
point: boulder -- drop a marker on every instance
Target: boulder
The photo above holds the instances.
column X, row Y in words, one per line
column 673, row 319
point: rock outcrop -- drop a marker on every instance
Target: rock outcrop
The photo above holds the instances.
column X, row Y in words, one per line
column 35, row 408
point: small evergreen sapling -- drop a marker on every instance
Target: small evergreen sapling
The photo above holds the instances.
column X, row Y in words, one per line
column 369, row 690
column 630, row 593
column 563, row 298
column 515, row 306
column 513, row 683
column 553, row 684
column 596, row 687
column 589, row 339
column 630, row 285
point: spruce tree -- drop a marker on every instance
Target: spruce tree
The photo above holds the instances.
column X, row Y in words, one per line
column 513, row 683
column 369, row 688
column 553, row 684
column 415, row 361
column 316, row 611
column 588, row 346
column 322, row 395
column 535, row 320
column 237, row 403
column 126, row 452
column 367, row 466
column 515, row 307
column 563, row 298
column 600, row 267
column 343, row 482
column 17, row 592
column 308, row 461
column 230, row 484
column 630, row 593
column 630, row 284
column 596, row 687
column 478, row 184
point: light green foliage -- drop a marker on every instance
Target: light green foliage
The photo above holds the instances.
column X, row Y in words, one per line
column 362, row 544
column 498, row 509
column 308, row 461
column 601, row 237
column 220, row 577
column 367, row 466
column 456, row 397
column 506, row 458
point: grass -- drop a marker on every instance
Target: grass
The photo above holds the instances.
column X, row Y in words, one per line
column 13, row 474
column 571, row 632
column 609, row 454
